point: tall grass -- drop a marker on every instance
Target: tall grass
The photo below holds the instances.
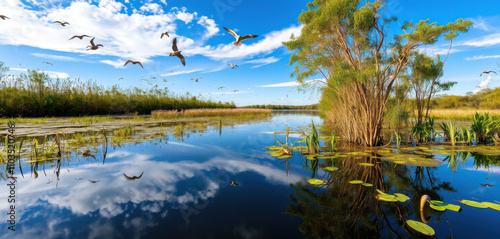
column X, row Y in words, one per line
column 460, row 114
column 35, row 94
column 485, row 127
column 450, row 130
column 173, row 114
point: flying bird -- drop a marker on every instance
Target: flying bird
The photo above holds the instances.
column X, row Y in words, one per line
column 221, row 170
column 133, row 177
column 164, row 80
column 80, row 37
column 487, row 72
column 233, row 183
column 94, row 46
column 48, row 63
column 220, row 87
column 121, row 78
column 487, row 185
column 156, row 86
column 232, row 66
column 78, row 179
column 92, row 181
column 62, row 23
column 163, row 34
column 177, row 53
column 196, row 79
column 134, row 62
column 3, row 17
column 153, row 78
column 238, row 37
column 235, row 90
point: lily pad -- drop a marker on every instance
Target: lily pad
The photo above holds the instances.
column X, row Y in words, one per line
column 473, row 203
column 397, row 197
column 356, row 182
column 367, row 164
column 438, row 205
column 421, row 227
column 492, row 205
column 314, row 181
column 331, row 169
column 367, row 184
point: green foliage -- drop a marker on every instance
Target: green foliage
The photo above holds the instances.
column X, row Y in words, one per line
column 285, row 107
column 35, row 94
column 451, row 131
column 425, row 132
column 485, row 127
column 485, row 99
column 125, row 132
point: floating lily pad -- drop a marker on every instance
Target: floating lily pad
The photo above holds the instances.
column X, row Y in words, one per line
column 367, row 184
column 397, row 197
column 331, row 169
column 440, row 206
column 473, row 203
column 492, row 205
column 367, row 164
column 421, row 227
column 316, row 181
column 356, row 182
column 399, row 162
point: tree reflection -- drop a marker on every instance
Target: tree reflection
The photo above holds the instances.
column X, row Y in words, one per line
column 343, row 210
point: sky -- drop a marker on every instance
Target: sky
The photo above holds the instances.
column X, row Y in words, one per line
column 131, row 30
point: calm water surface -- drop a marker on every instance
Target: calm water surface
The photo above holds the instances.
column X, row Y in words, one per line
column 185, row 192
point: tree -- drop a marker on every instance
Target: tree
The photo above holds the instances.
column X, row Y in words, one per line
column 424, row 82
column 349, row 46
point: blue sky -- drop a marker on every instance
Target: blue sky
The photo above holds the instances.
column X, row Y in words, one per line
column 131, row 30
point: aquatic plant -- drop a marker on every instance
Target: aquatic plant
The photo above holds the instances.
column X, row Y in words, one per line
column 312, row 140
column 424, row 132
column 124, row 132
column 450, row 130
column 485, row 127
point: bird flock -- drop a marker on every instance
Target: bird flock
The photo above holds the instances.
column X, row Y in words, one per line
column 176, row 52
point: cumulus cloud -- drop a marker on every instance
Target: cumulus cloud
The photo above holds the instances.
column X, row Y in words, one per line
column 210, row 25
column 152, row 8
column 483, row 85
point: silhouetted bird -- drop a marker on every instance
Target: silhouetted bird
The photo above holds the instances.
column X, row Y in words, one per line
column 487, row 72
column 488, row 185
column 233, row 183
column 4, row 17
column 48, row 63
column 163, row 34
column 196, row 79
column 80, row 37
column 232, row 66
column 177, row 53
column 92, row 181
column 93, row 46
column 133, row 177
column 238, row 37
column 133, row 62
column 62, row 23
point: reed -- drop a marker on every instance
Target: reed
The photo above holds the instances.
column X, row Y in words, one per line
column 173, row 114
column 35, row 94
column 460, row 114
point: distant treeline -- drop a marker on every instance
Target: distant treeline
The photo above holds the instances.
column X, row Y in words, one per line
column 285, row 107
column 35, row 94
column 485, row 99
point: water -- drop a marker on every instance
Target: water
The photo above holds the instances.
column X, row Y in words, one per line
column 185, row 192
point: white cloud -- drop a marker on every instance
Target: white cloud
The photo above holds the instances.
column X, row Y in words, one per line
column 152, row 8
column 268, row 43
column 481, row 57
column 210, row 25
column 181, row 72
column 293, row 83
column 483, row 85
column 480, row 23
column 117, row 64
column 489, row 40
column 184, row 16
column 263, row 61
column 52, row 74
column 56, row 57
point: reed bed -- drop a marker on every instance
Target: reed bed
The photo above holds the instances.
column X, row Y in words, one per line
column 35, row 94
column 460, row 114
column 173, row 114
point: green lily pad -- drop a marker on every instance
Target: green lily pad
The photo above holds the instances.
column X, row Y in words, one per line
column 316, row 181
column 386, row 198
column 421, row 227
column 438, row 205
column 367, row 164
column 356, row 182
column 492, row 205
column 331, row 169
column 473, row 203
column 402, row 196
column 367, row 184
